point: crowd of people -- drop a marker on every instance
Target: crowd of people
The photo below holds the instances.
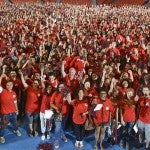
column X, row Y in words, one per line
column 88, row 65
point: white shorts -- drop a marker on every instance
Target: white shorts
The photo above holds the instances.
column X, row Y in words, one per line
column 145, row 127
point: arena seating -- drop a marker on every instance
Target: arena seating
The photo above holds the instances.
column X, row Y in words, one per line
column 99, row 2
column 128, row 2
column 23, row 1
column 86, row 2
column 51, row 1
column 108, row 1
column 78, row 2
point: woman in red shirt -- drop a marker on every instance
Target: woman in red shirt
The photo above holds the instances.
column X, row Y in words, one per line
column 80, row 111
column 102, row 117
column 45, row 105
column 128, row 116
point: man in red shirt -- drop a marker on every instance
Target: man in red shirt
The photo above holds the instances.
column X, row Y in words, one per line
column 70, row 79
column 144, row 116
column 33, row 104
column 8, row 108
column 61, row 111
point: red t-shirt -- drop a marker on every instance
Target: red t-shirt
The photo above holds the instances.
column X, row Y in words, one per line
column 7, row 101
column 144, row 114
column 72, row 84
column 114, row 109
column 54, row 84
column 78, row 63
column 45, row 103
column 17, row 84
column 61, row 104
column 33, row 101
column 128, row 112
column 90, row 92
column 102, row 115
column 80, row 107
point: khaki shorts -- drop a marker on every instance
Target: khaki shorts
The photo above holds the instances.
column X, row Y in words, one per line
column 145, row 127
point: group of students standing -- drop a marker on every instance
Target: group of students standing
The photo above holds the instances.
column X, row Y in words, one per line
column 88, row 65
column 103, row 107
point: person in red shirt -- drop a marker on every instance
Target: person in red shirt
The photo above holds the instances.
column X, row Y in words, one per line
column 80, row 111
column 17, row 88
column 61, row 111
column 102, row 117
column 70, row 79
column 33, row 103
column 115, row 99
column 144, row 116
column 128, row 116
column 89, row 92
column 8, row 108
column 52, row 80
column 45, row 120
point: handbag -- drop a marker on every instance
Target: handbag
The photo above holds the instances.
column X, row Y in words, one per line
column 48, row 114
column 58, row 117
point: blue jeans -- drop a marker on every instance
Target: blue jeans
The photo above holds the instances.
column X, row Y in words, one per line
column 60, row 127
column 12, row 118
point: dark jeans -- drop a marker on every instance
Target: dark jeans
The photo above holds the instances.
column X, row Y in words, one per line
column 127, row 131
column 63, row 123
column 79, row 131
column 12, row 118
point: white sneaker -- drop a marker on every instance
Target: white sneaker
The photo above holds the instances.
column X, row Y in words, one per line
column 2, row 140
column 48, row 136
column 63, row 137
column 43, row 137
column 81, row 144
column 56, row 144
column 77, row 144
column 18, row 133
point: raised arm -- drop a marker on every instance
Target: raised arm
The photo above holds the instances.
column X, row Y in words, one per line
column 23, row 80
column 63, row 69
column 103, row 78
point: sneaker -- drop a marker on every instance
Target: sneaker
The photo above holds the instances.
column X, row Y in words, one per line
column 127, row 146
column 18, row 133
column 63, row 137
column 43, row 137
column 121, row 144
column 77, row 144
column 56, row 144
column 35, row 133
column 48, row 136
column 81, row 144
column 2, row 140
column 31, row 133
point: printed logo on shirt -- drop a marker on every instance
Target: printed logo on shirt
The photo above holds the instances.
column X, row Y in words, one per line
column 107, row 108
column 14, row 96
column 86, row 105
column 1, row 89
